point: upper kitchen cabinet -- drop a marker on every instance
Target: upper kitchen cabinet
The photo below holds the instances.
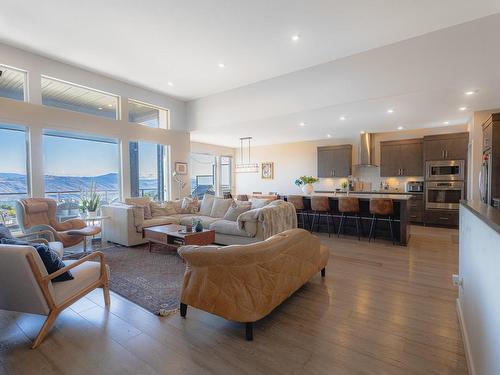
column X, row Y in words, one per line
column 446, row 146
column 401, row 158
column 334, row 161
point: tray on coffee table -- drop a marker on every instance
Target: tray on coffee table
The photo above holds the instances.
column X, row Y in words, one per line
column 176, row 235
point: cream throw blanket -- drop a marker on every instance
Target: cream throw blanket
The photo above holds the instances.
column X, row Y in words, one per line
column 275, row 218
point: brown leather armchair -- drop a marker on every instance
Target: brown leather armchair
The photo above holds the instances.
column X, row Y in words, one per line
column 39, row 214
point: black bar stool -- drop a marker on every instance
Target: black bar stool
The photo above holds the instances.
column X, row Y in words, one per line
column 382, row 208
column 298, row 203
column 321, row 206
column 350, row 206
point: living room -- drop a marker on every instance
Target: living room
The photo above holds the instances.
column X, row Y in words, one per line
column 247, row 190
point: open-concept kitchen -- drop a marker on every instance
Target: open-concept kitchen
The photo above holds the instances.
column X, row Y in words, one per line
column 250, row 187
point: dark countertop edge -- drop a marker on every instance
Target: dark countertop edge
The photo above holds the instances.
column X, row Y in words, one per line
column 397, row 199
column 488, row 214
column 371, row 192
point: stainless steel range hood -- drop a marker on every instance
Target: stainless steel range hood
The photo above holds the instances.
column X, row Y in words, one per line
column 366, row 151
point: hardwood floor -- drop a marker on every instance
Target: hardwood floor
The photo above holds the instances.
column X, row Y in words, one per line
column 381, row 309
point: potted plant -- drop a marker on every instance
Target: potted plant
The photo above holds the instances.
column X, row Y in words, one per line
column 90, row 200
column 306, row 183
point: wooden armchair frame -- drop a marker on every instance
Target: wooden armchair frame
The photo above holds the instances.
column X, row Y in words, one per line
column 54, row 309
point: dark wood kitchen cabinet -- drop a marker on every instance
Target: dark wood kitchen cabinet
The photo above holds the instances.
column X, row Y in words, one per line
column 416, row 208
column 401, row 158
column 335, row 161
column 446, row 146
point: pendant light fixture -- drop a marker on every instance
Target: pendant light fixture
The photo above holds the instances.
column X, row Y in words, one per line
column 246, row 166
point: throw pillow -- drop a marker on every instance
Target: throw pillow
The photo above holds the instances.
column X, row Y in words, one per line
column 5, row 232
column 220, row 207
column 207, row 204
column 162, row 209
column 49, row 258
column 259, row 203
column 138, row 201
column 189, row 206
column 236, row 209
column 147, row 212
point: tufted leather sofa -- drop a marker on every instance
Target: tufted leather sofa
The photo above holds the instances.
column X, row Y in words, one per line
column 244, row 283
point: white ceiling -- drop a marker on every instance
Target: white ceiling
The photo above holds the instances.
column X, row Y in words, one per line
column 353, row 58
column 423, row 79
column 153, row 42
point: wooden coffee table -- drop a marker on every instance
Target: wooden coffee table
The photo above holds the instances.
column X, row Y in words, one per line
column 176, row 235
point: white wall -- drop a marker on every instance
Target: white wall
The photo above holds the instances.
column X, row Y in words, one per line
column 292, row 160
column 479, row 298
column 38, row 117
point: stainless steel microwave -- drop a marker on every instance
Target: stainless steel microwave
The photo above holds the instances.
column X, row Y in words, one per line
column 445, row 170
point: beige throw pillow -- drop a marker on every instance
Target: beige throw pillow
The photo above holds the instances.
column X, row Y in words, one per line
column 236, row 209
column 259, row 203
column 162, row 209
column 189, row 205
column 220, row 207
column 206, row 204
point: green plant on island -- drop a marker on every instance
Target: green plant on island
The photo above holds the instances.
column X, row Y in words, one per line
column 304, row 180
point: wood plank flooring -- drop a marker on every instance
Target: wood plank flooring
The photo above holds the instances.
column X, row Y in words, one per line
column 381, row 309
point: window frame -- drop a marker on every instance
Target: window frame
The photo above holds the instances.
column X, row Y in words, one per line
column 118, row 97
column 159, row 108
column 25, row 82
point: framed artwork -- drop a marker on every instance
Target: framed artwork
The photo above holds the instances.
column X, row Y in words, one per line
column 267, row 170
column 181, row 168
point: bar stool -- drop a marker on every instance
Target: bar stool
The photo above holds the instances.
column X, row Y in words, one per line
column 321, row 206
column 349, row 205
column 381, row 208
column 298, row 203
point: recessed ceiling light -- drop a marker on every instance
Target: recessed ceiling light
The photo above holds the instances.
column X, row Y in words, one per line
column 222, row 65
column 329, row 136
column 470, row 92
column 342, row 118
column 170, row 83
column 400, row 128
column 110, row 105
column 446, row 123
column 462, row 109
column 100, row 108
column 295, row 37
column 302, row 124
column 390, row 110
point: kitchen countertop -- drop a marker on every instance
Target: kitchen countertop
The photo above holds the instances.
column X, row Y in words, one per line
column 488, row 214
column 373, row 192
column 396, row 197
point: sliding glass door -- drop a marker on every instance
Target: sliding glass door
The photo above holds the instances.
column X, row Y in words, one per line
column 149, row 170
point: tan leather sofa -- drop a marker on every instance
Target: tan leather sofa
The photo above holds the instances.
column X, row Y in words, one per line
column 244, row 283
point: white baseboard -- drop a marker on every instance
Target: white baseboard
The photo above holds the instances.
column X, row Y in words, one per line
column 465, row 337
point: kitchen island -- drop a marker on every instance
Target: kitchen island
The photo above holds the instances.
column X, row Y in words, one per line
column 400, row 201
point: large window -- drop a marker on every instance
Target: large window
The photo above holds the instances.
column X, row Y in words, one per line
column 13, row 172
column 203, row 174
column 225, row 173
column 149, row 170
column 12, row 83
column 65, row 95
column 148, row 115
column 72, row 162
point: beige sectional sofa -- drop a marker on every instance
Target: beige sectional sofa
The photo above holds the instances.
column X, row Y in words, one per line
column 234, row 222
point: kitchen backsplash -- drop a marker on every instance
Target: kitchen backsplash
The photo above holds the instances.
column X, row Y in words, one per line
column 366, row 176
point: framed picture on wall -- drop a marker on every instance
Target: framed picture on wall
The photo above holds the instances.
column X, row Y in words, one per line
column 181, row 168
column 267, row 170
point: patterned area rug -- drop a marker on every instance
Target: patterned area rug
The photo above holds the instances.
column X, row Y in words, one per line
column 151, row 280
